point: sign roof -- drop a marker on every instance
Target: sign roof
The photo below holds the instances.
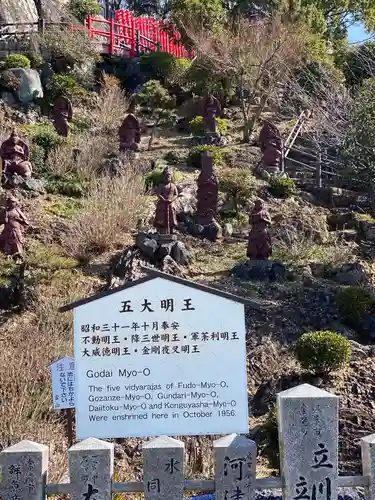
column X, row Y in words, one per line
column 152, row 274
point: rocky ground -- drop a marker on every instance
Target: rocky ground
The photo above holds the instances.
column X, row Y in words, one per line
column 316, row 260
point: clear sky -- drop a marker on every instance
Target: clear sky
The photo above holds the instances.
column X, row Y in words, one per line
column 357, row 33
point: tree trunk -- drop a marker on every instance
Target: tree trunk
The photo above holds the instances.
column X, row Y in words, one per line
column 153, row 132
column 250, row 122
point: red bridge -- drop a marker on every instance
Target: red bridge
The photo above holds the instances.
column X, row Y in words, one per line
column 129, row 36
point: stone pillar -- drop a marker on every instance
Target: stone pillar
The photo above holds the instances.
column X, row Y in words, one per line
column 235, row 463
column 23, row 471
column 91, row 470
column 163, row 465
column 368, row 464
column 308, row 440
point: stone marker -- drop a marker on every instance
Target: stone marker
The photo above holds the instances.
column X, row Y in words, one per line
column 23, row 471
column 163, row 465
column 91, row 470
column 308, row 440
column 368, row 464
column 235, row 463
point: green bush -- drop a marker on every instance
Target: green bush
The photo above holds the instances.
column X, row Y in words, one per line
column 83, row 8
column 155, row 177
column 174, row 157
column 354, row 303
column 158, row 65
column 237, row 184
column 36, row 59
column 323, row 352
column 281, row 188
column 61, row 84
column 17, row 61
column 74, row 48
column 197, row 128
column 68, row 185
column 194, row 157
column 38, row 158
column 44, row 136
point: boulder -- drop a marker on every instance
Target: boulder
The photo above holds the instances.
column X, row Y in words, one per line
column 180, row 253
column 34, row 186
column 260, row 270
column 147, row 245
column 350, row 274
column 367, row 328
column 343, row 220
column 30, row 85
column 228, row 229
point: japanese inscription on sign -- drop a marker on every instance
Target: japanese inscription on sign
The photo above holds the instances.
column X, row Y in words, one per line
column 323, row 489
column 63, row 383
column 166, row 357
column 308, row 426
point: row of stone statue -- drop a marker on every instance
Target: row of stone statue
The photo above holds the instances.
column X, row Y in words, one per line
column 259, row 244
column 130, row 130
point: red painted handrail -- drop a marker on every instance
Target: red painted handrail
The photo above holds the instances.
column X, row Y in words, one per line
column 139, row 34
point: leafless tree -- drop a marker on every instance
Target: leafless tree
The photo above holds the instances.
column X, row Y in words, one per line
column 257, row 56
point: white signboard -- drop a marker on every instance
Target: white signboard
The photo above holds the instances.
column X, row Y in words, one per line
column 63, row 383
column 160, row 358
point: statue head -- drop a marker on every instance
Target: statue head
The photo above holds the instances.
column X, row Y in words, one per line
column 14, row 136
column 11, row 202
column 167, row 174
column 258, row 204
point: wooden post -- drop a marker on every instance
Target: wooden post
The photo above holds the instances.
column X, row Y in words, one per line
column 137, row 43
column 163, row 463
column 41, row 25
column 89, row 25
column 24, row 471
column 69, row 422
column 318, row 172
column 112, row 37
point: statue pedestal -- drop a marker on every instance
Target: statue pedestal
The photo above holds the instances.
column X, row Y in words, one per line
column 156, row 247
column 164, row 239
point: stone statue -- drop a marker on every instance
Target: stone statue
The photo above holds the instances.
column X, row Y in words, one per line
column 11, row 239
column 210, row 110
column 130, row 133
column 165, row 214
column 62, row 113
column 259, row 246
column 15, row 155
column 271, row 146
column 208, row 190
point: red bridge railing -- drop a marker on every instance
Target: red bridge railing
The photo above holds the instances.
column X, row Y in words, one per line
column 136, row 34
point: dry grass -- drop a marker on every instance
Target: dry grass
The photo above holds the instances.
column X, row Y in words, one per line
column 88, row 160
column 268, row 359
column 5, row 126
column 296, row 248
column 111, row 108
column 292, row 219
column 29, row 343
column 91, row 152
column 110, row 211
